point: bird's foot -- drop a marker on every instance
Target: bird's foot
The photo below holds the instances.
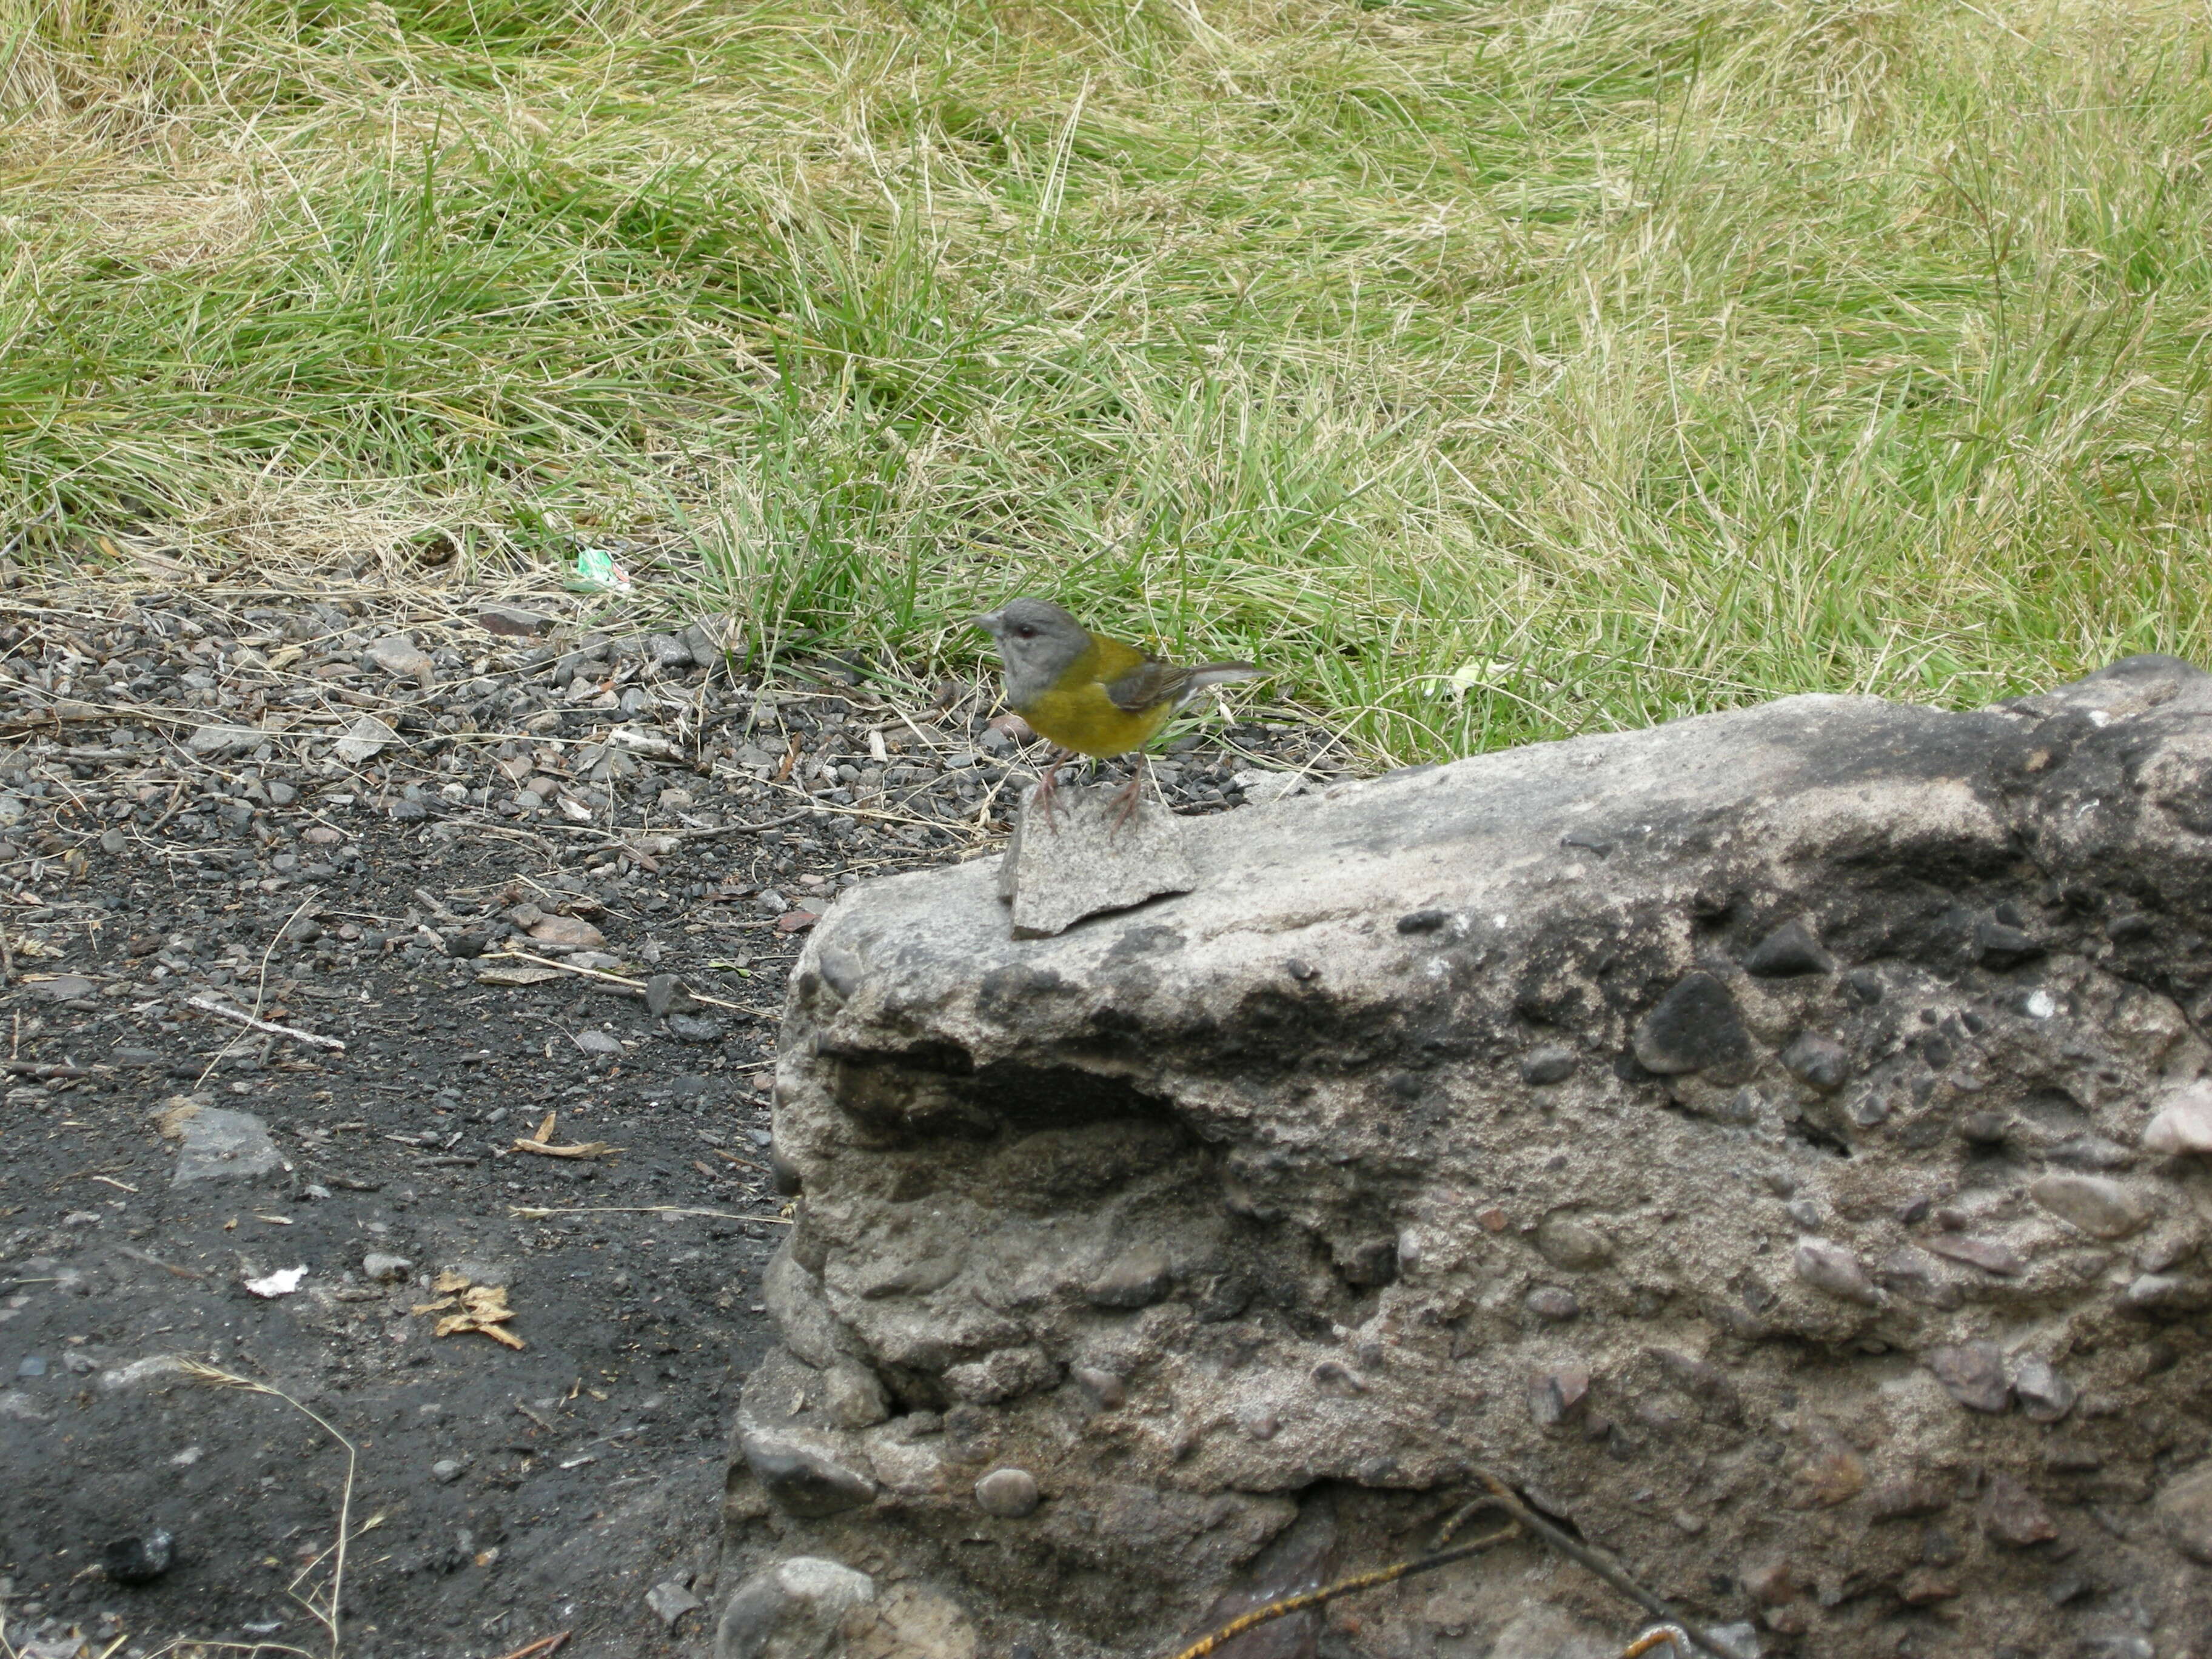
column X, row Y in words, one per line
column 1125, row 802
column 1048, row 793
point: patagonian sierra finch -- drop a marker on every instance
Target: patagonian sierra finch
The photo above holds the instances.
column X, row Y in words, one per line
column 1091, row 694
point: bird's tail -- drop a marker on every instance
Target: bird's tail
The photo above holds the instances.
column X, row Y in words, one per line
column 1217, row 673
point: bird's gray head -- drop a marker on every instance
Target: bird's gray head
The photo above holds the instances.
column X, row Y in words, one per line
column 1038, row 642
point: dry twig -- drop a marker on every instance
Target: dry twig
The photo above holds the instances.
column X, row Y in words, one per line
column 223, row 1011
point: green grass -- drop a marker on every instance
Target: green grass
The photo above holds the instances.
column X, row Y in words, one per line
column 1623, row 359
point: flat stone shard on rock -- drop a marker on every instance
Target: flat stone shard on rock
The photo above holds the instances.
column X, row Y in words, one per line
column 666, row 995
column 1366, row 1083
column 1077, row 864
column 1298, row 1562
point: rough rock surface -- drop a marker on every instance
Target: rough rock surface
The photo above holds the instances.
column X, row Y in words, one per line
column 1732, row 1134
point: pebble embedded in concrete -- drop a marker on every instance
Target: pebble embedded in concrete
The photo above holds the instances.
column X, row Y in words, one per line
column 2099, row 1205
column 1569, row 1241
column 1973, row 1373
column 2045, row 1395
column 2182, row 1124
column 1695, row 1027
column 1542, row 1067
column 1556, row 1396
column 1835, row 1269
column 1008, row 1494
column 1553, row 1303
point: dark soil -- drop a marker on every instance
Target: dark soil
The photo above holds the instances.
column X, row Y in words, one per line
column 174, row 823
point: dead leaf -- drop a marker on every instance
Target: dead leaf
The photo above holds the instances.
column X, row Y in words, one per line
column 481, row 1308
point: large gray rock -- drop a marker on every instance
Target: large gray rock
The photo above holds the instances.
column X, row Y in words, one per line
column 1732, row 1133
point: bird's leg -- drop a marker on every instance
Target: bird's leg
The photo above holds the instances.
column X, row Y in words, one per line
column 1125, row 800
column 1047, row 788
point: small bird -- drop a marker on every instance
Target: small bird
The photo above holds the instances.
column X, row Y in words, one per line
column 1091, row 694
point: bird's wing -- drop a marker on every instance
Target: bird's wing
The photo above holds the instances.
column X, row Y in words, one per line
column 1147, row 685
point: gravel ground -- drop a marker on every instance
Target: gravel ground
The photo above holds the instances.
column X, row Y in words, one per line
column 513, row 872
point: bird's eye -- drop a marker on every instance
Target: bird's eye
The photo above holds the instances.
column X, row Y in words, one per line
column 1025, row 632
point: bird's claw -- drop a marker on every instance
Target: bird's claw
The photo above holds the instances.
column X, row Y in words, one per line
column 1048, row 792
column 1125, row 803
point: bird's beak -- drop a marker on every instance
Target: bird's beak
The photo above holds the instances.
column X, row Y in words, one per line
column 990, row 622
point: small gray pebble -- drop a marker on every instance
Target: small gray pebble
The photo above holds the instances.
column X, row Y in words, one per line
column 1548, row 1065
column 1551, row 1301
column 1008, row 1494
column 386, row 1268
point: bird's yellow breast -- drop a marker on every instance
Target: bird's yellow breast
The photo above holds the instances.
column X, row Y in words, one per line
column 1077, row 714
